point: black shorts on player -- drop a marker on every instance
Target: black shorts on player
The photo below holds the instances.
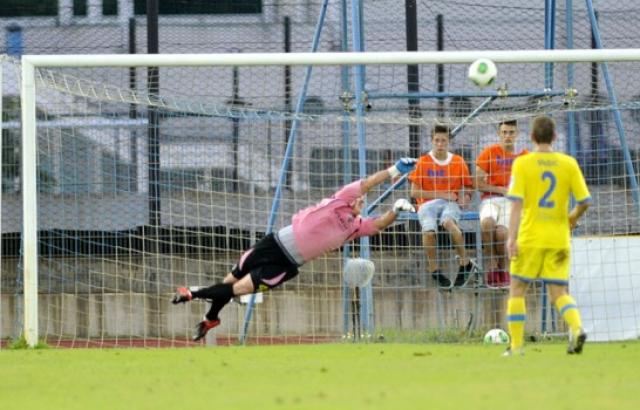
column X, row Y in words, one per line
column 267, row 264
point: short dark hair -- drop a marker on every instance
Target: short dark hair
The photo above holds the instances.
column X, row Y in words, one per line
column 513, row 123
column 543, row 129
column 441, row 129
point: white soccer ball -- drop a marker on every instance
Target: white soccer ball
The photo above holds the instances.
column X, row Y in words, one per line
column 482, row 72
column 496, row 337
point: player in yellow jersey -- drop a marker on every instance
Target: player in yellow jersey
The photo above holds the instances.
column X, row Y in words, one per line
column 541, row 186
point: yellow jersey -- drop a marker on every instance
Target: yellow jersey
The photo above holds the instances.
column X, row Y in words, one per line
column 544, row 182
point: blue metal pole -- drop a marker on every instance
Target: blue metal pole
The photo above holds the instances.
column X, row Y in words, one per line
column 549, row 30
column 616, row 111
column 571, row 124
column 549, row 39
column 346, row 149
column 552, row 40
column 366, row 292
column 543, row 304
column 546, row 38
column 14, row 40
column 287, row 155
column 361, row 37
column 473, row 114
column 571, row 116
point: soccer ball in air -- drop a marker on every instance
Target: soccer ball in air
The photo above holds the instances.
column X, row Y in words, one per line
column 496, row 337
column 482, row 72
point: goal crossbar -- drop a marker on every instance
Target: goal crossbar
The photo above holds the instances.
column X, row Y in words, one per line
column 267, row 59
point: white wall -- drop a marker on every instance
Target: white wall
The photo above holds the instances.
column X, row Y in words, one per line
column 605, row 281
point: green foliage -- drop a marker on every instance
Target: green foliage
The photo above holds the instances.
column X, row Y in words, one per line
column 448, row 335
column 21, row 344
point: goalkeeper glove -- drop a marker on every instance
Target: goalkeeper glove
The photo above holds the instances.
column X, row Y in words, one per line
column 403, row 166
column 402, row 205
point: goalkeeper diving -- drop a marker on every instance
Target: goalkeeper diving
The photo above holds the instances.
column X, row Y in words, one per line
column 315, row 230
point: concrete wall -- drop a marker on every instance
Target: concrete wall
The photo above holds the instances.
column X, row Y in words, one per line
column 107, row 299
column 283, row 313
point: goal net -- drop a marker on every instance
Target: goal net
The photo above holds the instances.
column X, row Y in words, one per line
column 144, row 179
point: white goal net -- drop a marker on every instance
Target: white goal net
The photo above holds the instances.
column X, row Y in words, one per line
column 144, row 179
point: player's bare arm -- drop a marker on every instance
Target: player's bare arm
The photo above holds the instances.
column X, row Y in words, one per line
column 514, row 225
column 482, row 185
column 401, row 205
column 576, row 213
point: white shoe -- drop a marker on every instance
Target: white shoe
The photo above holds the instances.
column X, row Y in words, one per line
column 576, row 342
column 516, row 352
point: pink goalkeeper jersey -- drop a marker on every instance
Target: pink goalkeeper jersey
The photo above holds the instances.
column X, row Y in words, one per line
column 329, row 224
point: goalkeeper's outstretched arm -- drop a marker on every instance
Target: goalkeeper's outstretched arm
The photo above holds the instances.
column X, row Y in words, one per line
column 389, row 217
column 403, row 166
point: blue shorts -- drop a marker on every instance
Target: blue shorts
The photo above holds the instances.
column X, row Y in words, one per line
column 436, row 211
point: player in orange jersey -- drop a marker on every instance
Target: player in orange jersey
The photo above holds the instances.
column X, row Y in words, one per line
column 493, row 171
column 438, row 184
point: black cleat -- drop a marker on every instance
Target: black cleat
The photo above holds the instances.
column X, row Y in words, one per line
column 182, row 295
column 462, row 275
column 464, row 272
column 576, row 342
column 203, row 327
column 443, row 280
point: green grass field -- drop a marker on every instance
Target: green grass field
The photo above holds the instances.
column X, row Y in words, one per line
column 332, row 376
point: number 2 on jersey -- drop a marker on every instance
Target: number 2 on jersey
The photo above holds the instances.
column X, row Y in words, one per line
column 544, row 201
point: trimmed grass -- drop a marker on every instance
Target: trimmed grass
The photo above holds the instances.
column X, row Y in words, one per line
column 332, row 376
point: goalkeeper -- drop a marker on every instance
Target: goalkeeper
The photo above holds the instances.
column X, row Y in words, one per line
column 315, row 230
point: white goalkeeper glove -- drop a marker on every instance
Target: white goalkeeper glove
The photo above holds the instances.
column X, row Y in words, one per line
column 402, row 205
column 403, row 166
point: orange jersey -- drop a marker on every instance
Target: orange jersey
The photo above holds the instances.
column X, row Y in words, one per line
column 432, row 175
column 496, row 162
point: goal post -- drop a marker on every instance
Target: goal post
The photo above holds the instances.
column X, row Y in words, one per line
column 386, row 120
column 29, row 203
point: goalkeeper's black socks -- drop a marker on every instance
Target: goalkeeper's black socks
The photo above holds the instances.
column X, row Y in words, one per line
column 219, row 295
column 217, row 291
column 216, row 307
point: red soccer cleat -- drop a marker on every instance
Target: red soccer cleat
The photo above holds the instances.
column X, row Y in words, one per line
column 203, row 327
column 182, row 295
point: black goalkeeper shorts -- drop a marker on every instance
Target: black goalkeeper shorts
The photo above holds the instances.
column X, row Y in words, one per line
column 267, row 264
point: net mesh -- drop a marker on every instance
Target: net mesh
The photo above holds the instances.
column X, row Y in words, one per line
column 120, row 229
